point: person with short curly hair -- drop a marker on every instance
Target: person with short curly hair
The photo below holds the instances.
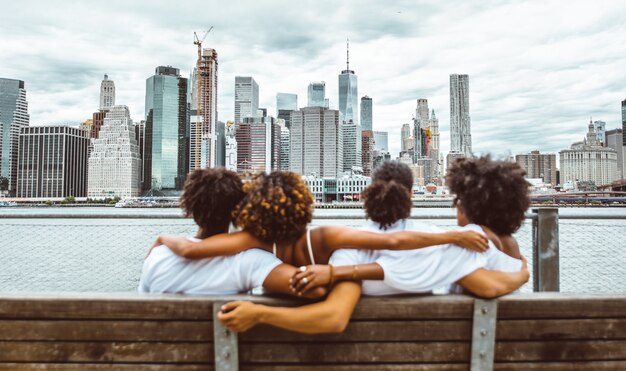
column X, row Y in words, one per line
column 493, row 194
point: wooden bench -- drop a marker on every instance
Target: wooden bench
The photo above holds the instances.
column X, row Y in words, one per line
column 161, row 332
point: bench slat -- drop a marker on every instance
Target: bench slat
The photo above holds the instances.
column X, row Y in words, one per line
column 582, row 350
column 531, row 306
column 585, row 329
column 103, row 352
column 103, row 367
column 138, row 331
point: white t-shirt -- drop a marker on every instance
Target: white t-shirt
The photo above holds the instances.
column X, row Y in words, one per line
column 165, row 272
column 413, row 271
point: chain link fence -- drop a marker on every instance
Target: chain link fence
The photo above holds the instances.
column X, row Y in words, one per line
column 106, row 255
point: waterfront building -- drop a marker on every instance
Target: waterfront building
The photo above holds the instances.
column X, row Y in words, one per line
column 600, row 128
column 231, row 147
column 317, row 94
column 285, row 146
column 140, row 133
column 220, row 153
column 166, row 154
column 352, row 142
column 258, row 144
column 588, row 161
column 316, row 142
column 435, row 153
column 13, row 117
column 343, row 188
column 366, row 113
column 460, row 126
column 52, row 162
column 246, row 98
column 624, row 126
column 381, row 141
column 539, row 165
column 107, row 93
column 615, row 140
column 406, row 139
column 367, row 151
column 285, row 104
column 348, row 92
column 202, row 115
column 114, row 164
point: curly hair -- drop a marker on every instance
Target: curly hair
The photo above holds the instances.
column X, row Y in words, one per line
column 394, row 170
column 276, row 208
column 210, row 196
column 492, row 193
column 388, row 198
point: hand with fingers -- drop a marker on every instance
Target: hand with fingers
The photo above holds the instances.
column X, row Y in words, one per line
column 525, row 267
column 310, row 277
column 239, row 316
column 472, row 240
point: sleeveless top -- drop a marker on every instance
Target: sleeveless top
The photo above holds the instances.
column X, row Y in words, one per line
column 308, row 245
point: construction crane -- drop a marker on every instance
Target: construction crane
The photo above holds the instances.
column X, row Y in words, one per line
column 199, row 125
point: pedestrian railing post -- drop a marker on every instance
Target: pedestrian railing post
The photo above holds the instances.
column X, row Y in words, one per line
column 546, row 249
column 225, row 344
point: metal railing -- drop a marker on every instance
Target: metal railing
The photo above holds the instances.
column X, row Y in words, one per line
column 103, row 251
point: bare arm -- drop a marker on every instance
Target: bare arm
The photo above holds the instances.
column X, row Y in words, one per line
column 278, row 281
column 330, row 315
column 342, row 237
column 323, row 275
column 491, row 284
column 218, row 245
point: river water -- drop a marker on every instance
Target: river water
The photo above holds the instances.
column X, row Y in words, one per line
column 70, row 250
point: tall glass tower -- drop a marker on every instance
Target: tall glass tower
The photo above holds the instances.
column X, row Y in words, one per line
column 165, row 151
column 348, row 93
column 285, row 104
column 317, row 94
column 13, row 117
column 366, row 113
column 460, row 127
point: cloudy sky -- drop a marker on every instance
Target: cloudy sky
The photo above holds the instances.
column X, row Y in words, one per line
column 538, row 69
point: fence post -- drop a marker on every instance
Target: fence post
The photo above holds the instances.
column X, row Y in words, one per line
column 546, row 249
column 225, row 344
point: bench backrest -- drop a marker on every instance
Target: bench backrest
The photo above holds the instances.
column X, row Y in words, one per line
column 149, row 332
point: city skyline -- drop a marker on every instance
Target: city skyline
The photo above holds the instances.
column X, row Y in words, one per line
column 535, row 83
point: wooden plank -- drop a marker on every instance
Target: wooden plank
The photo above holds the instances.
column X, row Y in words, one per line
column 319, row 353
column 570, row 329
column 123, row 307
column 551, row 305
column 364, row 331
column 102, row 367
column 63, row 330
column 570, row 351
column 360, row 367
column 415, row 307
column 563, row 366
column 106, row 352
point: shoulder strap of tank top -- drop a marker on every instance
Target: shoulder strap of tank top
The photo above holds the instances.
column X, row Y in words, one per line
column 309, row 246
column 274, row 249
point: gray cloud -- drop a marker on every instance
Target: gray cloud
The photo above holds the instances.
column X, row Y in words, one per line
column 538, row 70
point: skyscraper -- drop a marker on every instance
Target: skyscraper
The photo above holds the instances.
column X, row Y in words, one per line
column 435, row 153
column 406, row 138
column 421, row 112
column 220, row 153
column 624, row 121
column 13, row 117
column 366, row 113
column 52, row 162
column 460, row 128
column 246, row 98
column 316, row 142
column 202, row 97
column 258, row 144
column 539, row 165
column 600, row 127
column 114, row 163
column 166, row 105
column 285, row 146
column 317, row 94
column 285, row 103
column 367, row 151
column 231, row 147
column 348, row 93
column 615, row 140
column 352, row 158
column 107, row 93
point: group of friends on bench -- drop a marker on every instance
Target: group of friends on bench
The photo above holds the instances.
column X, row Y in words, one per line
column 275, row 248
